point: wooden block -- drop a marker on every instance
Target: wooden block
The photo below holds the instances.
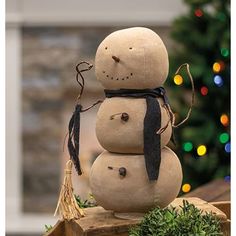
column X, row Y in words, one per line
column 194, row 200
column 225, row 227
column 223, row 206
column 99, row 222
column 57, row 230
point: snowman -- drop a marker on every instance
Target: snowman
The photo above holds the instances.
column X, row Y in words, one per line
column 137, row 171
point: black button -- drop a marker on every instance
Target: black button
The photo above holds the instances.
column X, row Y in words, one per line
column 122, row 171
column 124, row 116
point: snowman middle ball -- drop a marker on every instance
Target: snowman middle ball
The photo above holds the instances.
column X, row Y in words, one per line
column 126, row 135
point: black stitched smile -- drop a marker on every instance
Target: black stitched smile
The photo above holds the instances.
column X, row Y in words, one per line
column 117, row 78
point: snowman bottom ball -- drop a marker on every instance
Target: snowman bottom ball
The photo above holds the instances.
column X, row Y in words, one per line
column 119, row 182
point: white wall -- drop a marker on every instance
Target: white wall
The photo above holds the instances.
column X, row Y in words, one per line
column 99, row 12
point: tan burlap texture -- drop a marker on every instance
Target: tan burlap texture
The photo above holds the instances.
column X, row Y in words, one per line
column 143, row 60
column 134, row 192
column 116, row 135
column 134, row 58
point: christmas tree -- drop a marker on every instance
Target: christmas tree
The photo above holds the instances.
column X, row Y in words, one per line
column 202, row 39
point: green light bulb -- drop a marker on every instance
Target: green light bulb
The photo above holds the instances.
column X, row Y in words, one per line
column 221, row 16
column 224, row 138
column 188, row 146
column 224, row 52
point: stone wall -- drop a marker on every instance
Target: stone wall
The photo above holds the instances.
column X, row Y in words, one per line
column 49, row 90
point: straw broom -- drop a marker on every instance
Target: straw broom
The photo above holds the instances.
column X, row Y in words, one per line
column 67, row 206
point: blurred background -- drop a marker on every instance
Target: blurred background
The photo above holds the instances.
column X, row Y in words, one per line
column 44, row 42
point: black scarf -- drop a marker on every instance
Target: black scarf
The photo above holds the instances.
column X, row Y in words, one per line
column 74, row 136
column 152, row 123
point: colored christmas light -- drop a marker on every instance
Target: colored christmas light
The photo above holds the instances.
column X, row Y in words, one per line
column 201, row 150
column 224, row 120
column 224, row 138
column 204, row 91
column 178, row 79
column 224, row 52
column 186, row 188
column 218, row 80
column 222, row 65
column 198, row 12
column 188, row 147
column 221, row 16
column 216, row 67
column 227, row 147
column 227, row 178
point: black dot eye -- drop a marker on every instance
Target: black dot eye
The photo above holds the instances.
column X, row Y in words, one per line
column 131, row 74
column 130, row 48
column 106, row 48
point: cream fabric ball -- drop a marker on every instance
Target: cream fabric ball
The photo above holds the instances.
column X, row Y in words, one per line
column 134, row 192
column 133, row 58
column 117, row 135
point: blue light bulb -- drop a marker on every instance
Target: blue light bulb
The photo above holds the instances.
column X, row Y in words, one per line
column 218, row 80
column 227, row 147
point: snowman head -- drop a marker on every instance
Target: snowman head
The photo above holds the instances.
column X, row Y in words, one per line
column 133, row 58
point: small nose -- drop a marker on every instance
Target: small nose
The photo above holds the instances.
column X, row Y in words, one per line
column 116, row 59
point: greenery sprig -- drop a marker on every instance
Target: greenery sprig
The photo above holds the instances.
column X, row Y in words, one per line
column 85, row 203
column 186, row 221
column 47, row 228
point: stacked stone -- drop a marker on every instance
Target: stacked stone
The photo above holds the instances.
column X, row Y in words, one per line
column 133, row 58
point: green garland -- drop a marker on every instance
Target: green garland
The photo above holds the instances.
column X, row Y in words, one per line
column 188, row 221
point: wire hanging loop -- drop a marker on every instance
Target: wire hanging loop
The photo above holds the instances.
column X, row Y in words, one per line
column 192, row 97
column 79, row 76
column 170, row 120
column 81, row 83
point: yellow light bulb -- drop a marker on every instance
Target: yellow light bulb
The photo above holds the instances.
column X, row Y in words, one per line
column 216, row 67
column 201, row 150
column 178, row 79
column 186, row 188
